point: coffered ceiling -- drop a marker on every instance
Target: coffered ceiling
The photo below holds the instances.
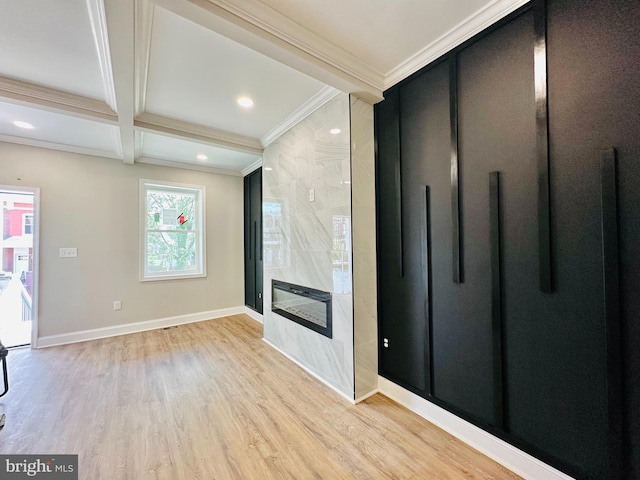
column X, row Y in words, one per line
column 157, row 81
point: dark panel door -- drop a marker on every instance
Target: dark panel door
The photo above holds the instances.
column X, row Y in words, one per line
column 256, row 219
column 403, row 332
column 253, row 273
column 249, row 259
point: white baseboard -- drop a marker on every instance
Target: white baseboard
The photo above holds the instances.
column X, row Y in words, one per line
column 253, row 314
column 96, row 333
column 502, row 452
column 310, row 372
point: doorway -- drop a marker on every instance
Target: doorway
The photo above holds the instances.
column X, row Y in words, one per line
column 18, row 270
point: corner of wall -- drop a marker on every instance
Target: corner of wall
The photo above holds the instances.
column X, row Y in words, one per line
column 364, row 247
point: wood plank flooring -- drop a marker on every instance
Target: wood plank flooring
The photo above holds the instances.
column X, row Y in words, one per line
column 211, row 400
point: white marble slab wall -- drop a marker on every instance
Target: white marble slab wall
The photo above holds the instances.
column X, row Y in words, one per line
column 309, row 242
column 364, row 248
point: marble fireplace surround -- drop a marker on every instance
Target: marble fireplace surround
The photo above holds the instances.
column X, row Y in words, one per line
column 319, row 232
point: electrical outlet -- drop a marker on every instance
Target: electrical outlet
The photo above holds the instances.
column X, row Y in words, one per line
column 312, row 195
column 68, row 252
column 117, row 305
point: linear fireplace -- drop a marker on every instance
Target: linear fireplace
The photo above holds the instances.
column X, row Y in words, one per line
column 307, row 306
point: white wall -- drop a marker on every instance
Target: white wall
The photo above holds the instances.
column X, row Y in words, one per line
column 92, row 203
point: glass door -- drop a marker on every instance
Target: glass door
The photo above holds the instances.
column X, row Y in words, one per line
column 16, row 270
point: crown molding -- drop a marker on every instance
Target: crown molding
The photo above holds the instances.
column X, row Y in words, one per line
column 267, row 19
column 302, row 112
column 251, row 168
column 152, row 123
column 463, row 31
column 98, row 21
column 59, row 146
column 144, row 10
column 56, row 101
column 263, row 29
column 187, row 166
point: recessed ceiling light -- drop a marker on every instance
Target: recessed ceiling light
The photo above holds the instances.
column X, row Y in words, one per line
column 245, row 102
column 335, row 131
column 21, row 124
column 268, row 169
column 202, row 156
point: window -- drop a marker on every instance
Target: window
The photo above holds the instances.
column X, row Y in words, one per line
column 172, row 230
column 28, row 224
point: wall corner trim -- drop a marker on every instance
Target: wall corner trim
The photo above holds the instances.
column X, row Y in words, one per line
column 252, row 168
column 124, row 329
column 362, row 398
column 253, row 314
column 502, row 452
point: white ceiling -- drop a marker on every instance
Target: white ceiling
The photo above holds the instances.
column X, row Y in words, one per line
column 58, row 129
column 171, row 149
column 188, row 60
column 50, row 43
column 156, row 81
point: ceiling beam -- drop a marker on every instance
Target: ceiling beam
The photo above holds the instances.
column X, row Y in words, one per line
column 63, row 147
column 120, row 24
column 28, row 94
column 101, row 39
column 152, row 123
column 144, row 26
column 188, row 166
column 271, row 33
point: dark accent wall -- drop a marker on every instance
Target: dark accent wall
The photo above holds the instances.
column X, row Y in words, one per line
column 253, row 276
column 516, row 159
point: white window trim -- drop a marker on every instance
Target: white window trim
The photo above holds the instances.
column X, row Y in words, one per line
column 142, row 215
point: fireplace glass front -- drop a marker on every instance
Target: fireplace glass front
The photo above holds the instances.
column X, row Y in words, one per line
column 307, row 306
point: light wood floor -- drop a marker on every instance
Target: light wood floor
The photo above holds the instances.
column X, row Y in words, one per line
column 211, row 400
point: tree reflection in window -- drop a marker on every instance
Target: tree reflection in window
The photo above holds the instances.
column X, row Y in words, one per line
column 341, row 254
column 277, row 253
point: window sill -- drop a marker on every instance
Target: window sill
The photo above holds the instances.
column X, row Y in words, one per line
column 173, row 277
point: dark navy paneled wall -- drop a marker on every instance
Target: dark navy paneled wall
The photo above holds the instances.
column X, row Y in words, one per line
column 527, row 187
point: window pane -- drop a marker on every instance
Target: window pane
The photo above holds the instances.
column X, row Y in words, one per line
column 171, row 252
column 171, row 210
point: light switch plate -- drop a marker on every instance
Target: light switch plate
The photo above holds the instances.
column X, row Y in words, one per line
column 68, row 252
